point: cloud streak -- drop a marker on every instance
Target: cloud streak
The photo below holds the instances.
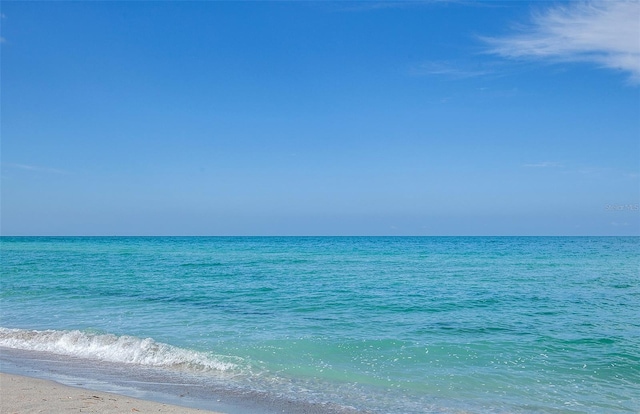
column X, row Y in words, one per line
column 35, row 168
column 448, row 69
column 606, row 33
column 543, row 164
column 389, row 4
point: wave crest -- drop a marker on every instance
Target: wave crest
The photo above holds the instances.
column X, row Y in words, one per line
column 112, row 348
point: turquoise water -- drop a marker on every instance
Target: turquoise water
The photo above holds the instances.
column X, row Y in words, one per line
column 371, row 324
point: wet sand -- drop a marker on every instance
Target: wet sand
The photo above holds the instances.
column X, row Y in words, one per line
column 19, row 394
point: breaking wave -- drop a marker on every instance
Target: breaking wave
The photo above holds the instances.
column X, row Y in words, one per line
column 112, row 348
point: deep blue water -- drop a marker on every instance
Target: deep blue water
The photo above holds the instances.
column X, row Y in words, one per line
column 371, row 324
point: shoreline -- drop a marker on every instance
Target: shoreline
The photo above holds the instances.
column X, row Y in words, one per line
column 21, row 393
column 152, row 388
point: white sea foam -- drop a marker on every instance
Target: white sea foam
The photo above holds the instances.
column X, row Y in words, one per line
column 111, row 348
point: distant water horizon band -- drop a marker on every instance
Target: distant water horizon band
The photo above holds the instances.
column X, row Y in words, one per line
column 332, row 324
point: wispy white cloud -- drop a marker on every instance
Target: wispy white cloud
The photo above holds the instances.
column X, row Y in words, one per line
column 372, row 5
column 616, row 224
column 389, row 4
column 543, row 164
column 606, row 33
column 35, row 168
column 2, row 39
column 448, row 69
column 586, row 171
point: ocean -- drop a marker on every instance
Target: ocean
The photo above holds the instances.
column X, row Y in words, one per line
column 331, row 324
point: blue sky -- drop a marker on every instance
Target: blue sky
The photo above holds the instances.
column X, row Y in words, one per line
column 305, row 118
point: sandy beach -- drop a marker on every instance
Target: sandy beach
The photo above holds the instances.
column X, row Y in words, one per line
column 19, row 394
